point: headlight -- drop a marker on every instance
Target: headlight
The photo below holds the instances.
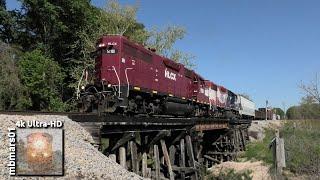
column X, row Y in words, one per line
column 82, row 87
column 101, row 45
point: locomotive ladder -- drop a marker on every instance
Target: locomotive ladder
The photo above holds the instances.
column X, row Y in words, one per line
column 166, row 148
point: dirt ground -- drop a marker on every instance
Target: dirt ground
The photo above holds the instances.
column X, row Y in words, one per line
column 259, row 171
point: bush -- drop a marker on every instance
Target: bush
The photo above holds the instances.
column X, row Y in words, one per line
column 306, row 110
column 43, row 79
column 302, row 146
column 13, row 94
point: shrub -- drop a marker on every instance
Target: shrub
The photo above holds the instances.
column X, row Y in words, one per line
column 13, row 94
column 43, row 79
column 302, row 146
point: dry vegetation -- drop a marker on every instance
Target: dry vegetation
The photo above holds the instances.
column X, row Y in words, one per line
column 302, row 147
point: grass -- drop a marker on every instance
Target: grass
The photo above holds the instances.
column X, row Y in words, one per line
column 259, row 150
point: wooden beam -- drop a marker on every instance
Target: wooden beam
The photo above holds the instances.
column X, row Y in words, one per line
column 279, row 153
column 113, row 157
column 167, row 158
column 282, row 153
column 221, row 136
column 125, row 138
column 134, row 157
column 122, row 157
column 190, row 151
column 185, row 170
column 211, row 158
column 191, row 155
column 156, row 161
column 199, row 152
column 219, row 153
column 177, row 139
column 144, row 164
column 243, row 140
column 172, row 154
column 149, row 173
column 159, row 136
column 237, row 140
column 182, row 157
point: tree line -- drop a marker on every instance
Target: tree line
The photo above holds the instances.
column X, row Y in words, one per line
column 309, row 107
column 45, row 45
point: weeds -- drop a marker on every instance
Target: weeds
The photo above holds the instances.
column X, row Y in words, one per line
column 302, row 145
column 260, row 150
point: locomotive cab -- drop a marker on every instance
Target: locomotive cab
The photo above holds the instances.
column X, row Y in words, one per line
column 104, row 94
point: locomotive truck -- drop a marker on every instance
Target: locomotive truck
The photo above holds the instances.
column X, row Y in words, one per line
column 131, row 79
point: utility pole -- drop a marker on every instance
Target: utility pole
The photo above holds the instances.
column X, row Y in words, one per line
column 284, row 109
column 266, row 109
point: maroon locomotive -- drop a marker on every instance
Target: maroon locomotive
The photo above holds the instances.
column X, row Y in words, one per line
column 132, row 79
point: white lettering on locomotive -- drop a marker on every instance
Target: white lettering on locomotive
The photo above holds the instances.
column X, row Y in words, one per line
column 169, row 75
column 110, row 51
column 112, row 43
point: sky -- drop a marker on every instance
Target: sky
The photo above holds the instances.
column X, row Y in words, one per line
column 262, row 48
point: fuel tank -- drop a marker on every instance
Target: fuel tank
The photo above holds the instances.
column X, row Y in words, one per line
column 177, row 109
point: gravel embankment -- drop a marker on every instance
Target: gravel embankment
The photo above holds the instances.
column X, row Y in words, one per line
column 256, row 130
column 82, row 160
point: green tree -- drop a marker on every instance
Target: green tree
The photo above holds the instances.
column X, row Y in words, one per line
column 61, row 29
column 66, row 31
column 279, row 112
column 120, row 17
column 293, row 112
column 9, row 24
column 309, row 108
column 163, row 42
column 3, row 3
column 43, row 79
column 54, row 26
column 312, row 90
column 12, row 93
column 184, row 58
column 114, row 19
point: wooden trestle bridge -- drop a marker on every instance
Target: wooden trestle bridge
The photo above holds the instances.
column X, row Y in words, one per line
column 164, row 147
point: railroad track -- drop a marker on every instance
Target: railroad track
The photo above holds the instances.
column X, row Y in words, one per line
column 31, row 113
column 109, row 118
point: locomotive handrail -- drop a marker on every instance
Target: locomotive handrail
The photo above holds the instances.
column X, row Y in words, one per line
column 78, row 87
column 125, row 72
column 119, row 91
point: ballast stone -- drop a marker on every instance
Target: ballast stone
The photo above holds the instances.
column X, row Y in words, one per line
column 82, row 160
